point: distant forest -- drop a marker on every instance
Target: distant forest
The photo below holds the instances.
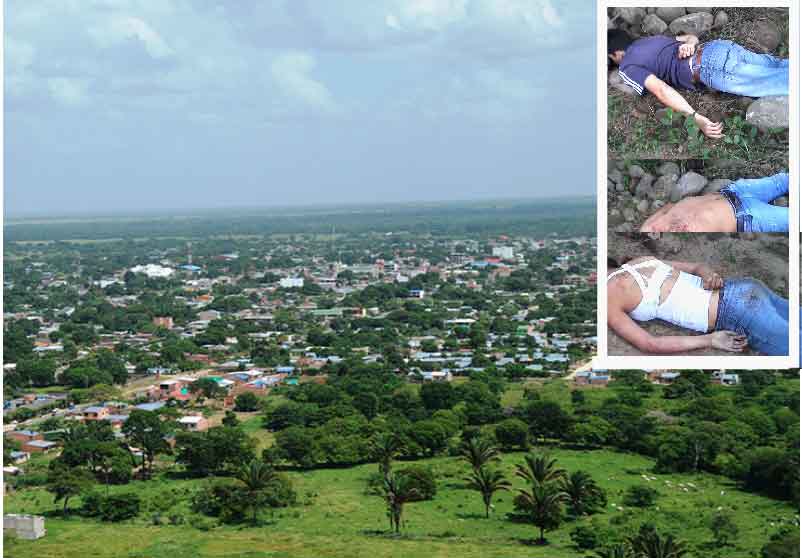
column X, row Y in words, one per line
column 537, row 218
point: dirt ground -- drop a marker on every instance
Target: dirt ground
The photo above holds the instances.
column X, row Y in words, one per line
column 637, row 130
column 761, row 256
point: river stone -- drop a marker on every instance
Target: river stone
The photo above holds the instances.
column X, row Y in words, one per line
column 669, row 167
column 670, row 14
column 643, row 206
column 689, row 184
column 619, row 187
column 767, row 35
column 632, row 16
column 615, row 175
column 636, row 171
column 696, row 10
column 721, row 19
column 715, row 185
column 644, row 189
column 653, row 25
column 694, row 23
column 768, row 112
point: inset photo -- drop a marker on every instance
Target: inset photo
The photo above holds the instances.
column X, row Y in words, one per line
column 697, row 294
column 695, row 195
column 698, row 82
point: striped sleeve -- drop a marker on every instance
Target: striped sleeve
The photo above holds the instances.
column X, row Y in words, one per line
column 635, row 77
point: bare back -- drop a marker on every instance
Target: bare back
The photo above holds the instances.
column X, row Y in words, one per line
column 708, row 213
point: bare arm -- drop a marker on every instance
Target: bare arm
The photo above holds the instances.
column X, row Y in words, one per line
column 672, row 99
column 644, row 341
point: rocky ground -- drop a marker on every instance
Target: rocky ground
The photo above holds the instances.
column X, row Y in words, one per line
column 761, row 256
column 642, row 127
column 636, row 189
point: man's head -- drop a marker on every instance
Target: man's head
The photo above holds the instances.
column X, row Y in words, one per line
column 618, row 42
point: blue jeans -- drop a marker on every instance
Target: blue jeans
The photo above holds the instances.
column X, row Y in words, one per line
column 729, row 67
column 749, row 307
column 750, row 197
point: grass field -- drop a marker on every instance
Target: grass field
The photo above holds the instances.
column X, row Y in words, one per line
column 335, row 517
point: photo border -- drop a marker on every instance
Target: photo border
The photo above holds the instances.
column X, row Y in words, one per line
column 605, row 362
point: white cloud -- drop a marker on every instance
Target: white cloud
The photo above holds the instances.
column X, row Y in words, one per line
column 291, row 72
column 68, row 91
column 117, row 29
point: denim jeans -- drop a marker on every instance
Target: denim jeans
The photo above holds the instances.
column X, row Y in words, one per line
column 749, row 307
column 729, row 67
column 750, row 197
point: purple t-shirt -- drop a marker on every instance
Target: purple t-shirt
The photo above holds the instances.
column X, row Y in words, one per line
column 656, row 55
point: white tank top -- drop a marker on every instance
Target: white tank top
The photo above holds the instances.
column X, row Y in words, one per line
column 686, row 305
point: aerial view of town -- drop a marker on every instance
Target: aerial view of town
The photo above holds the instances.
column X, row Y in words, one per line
column 350, row 382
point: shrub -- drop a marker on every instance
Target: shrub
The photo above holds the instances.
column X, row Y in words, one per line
column 586, row 537
column 246, row 402
column 114, row 507
column 512, row 433
column 640, row 496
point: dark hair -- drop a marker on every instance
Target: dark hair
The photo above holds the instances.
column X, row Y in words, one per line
column 618, row 39
column 612, row 262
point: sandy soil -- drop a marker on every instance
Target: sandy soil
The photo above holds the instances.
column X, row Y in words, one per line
column 763, row 257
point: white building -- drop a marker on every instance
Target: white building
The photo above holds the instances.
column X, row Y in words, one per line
column 291, row 282
column 504, row 252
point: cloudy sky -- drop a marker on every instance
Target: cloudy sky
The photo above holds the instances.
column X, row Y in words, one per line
column 150, row 104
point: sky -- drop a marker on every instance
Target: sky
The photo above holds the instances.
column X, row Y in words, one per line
column 137, row 105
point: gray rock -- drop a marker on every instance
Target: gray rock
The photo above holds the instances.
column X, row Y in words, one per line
column 653, row 25
column 644, row 189
column 696, row 10
column 610, row 24
column 767, row 35
column 664, row 185
column 614, row 213
column 625, row 89
column 781, row 202
column 615, row 175
column 657, row 204
column 689, row 184
column 715, row 185
column 614, row 78
column 670, row 14
column 619, row 187
column 721, row 19
column 693, row 23
column 629, row 214
column 631, row 16
column 636, row 171
column 621, row 165
column 744, row 102
column 669, row 167
column 768, row 112
column 623, row 228
column 643, row 206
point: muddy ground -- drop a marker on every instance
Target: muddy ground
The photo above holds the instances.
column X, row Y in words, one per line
column 761, row 256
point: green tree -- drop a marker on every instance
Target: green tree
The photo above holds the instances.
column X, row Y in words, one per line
column 398, row 491
column 147, row 431
column 542, row 503
column 584, row 496
column 512, row 433
column 246, row 402
column 64, row 482
column 385, row 446
column 487, row 482
column 478, row 451
column 256, row 476
column 539, row 468
column 649, row 544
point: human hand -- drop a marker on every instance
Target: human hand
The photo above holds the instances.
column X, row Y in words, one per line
column 714, row 130
column 711, row 280
column 686, row 50
column 728, row 341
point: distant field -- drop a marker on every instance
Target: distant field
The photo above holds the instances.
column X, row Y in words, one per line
column 335, row 518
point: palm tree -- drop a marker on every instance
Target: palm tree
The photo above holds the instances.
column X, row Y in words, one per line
column 384, row 447
column 649, row 544
column 256, row 476
column 539, row 469
column 543, row 503
column 487, row 482
column 582, row 491
column 620, row 550
column 398, row 490
column 478, row 452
